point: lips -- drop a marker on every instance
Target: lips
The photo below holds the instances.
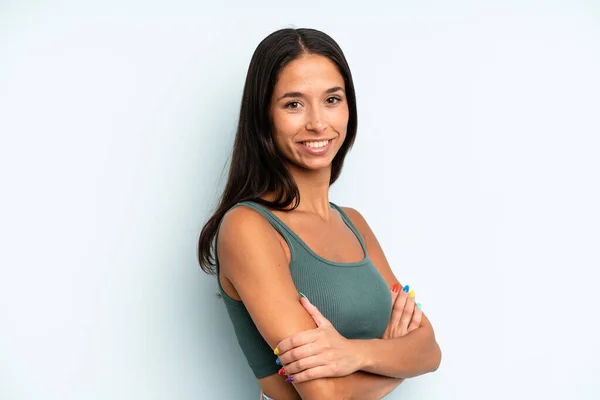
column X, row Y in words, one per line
column 316, row 143
column 316, row 147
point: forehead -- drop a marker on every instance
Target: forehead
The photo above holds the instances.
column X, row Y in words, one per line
column 309, row 72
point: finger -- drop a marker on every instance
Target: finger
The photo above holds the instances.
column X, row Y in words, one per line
column 323, row 371
column 314, row 312
column 415, row 322
column 394, row 293
column 398, row 308
column 299, row 353
column 396, row 328
column 303, row 364
column 296, row 340
column 395, row 289
column 406, row 315
column 386, row 334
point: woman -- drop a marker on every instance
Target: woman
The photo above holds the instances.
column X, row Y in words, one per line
column 276, row 235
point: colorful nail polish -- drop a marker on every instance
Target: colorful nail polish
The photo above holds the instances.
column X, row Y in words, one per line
column 406, row 288
column 276, row 351
column 278, row 361
column 281, row 371
column 411, row 293
column 395, row 288
column 290, row 379
column 419, row 306
column 303, row 295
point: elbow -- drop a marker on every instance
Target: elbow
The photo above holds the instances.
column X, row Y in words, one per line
column 432, row 354
column 436, row 357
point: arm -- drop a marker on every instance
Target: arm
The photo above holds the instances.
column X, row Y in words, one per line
column 365, row 386
column 252, row 259
column 413, row 354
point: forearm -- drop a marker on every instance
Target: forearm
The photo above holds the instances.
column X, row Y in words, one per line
column 357, row 386
column 366, row 386
column 414, row 354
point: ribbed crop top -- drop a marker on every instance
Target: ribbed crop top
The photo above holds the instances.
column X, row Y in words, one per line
column 353, row 296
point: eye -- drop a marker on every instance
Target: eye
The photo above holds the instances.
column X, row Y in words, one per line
column 292, row 104
column 333, row 100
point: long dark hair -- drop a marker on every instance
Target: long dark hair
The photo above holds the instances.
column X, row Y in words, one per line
column 256, row 166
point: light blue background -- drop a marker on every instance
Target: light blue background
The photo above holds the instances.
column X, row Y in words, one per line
column 476, row 164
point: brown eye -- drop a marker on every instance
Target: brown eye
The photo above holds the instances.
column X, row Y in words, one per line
column 333, row 100
column 292, row 104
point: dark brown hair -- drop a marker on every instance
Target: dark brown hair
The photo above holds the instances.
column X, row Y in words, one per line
column 256, row 166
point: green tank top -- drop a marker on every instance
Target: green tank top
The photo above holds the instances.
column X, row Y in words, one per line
column 353, row 296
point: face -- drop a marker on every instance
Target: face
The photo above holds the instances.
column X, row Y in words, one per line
column 309, row 112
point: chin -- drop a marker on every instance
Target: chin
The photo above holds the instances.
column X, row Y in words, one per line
column 318, row 166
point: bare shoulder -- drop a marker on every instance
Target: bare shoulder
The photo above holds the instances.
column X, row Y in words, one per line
column 242, row 222
column 243, row 232
column 365, row 231
column 358, row 220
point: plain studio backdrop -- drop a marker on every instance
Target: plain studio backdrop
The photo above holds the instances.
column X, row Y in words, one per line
column 476, row 164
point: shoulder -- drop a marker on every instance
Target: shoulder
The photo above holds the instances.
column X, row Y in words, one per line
column 240, row 221
column 357, row 219
column 245, row 233
column 241, row 225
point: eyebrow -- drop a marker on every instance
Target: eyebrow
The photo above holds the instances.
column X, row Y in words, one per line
column 300, row 94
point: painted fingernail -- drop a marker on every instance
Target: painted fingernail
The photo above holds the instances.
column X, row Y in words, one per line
column 411, row 293
column 281, row 371
column 276, row 351
column 395, row 288
column 406, row 288
column 303, row 295
column 290, row 379
column 419, row 306
column 278, row 361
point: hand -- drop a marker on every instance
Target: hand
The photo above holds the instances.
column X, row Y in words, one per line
column 316, row 353
column 405, row 316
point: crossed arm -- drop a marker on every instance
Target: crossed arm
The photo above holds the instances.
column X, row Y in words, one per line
column 252, row 259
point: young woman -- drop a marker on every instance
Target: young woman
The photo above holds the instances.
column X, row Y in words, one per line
column 279, row 241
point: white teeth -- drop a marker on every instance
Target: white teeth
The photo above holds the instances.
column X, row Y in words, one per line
column 317, row 145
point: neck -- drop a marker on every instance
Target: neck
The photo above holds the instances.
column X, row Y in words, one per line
column 314, row 190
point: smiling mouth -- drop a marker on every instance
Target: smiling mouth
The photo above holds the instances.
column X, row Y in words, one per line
column 316, row 144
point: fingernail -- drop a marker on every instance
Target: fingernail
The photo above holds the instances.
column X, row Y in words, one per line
column 395, row 288
column 276, row 351
column 406, row 288
column 419, row 306
column 303, row 295
column 290, row 379
column 281, row 371
column 411, row 293
column 278, row 361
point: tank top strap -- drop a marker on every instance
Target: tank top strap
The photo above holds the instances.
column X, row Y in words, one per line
column 290, row 237
column 348, row 222
column 277, row 223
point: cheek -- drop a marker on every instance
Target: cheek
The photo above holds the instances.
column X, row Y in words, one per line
column 340, row 121
column 286, row 126
column 281, row 134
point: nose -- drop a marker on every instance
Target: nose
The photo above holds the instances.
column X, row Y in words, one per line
column 315, row 121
